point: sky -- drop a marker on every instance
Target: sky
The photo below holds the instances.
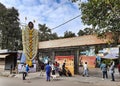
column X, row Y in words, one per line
column 49, row 12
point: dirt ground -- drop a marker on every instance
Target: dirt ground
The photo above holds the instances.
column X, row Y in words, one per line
column 94, row 79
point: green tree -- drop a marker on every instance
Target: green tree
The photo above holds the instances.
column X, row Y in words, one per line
column 2, row 12
column 89, row 31
column 45, row 33
column 81, row 33
column 69, row 34
column 54, row 36
column 9, row 27
column 86, row 31
column 103, row 15
column 74, row 0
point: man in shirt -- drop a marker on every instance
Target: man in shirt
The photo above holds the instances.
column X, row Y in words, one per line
column 104, row 70
column 85, row 68
column 48, row 71
column 24, row 71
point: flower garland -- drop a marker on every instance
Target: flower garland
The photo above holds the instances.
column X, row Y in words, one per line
column 30, row 43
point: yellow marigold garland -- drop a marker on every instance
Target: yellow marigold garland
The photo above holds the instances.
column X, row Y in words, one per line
column 30, row 43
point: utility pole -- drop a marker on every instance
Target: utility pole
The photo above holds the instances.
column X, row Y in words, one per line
column 119, row 54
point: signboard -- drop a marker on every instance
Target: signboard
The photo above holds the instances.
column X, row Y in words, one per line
column 31, row 69
column 69, row 60
column 91, row 60
column 109, row 53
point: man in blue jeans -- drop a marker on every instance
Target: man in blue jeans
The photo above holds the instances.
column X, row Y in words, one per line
column 104, row 70
column 48, row 71
column 85, row 68
column 112, row 70
column 24, row 71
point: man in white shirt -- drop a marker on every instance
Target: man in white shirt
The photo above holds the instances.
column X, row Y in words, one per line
column 85, row 68
column 24, row 71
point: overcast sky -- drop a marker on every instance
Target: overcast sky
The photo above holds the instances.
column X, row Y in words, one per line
column 49, row 12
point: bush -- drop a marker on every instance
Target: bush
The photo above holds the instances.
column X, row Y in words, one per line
column 107, row 61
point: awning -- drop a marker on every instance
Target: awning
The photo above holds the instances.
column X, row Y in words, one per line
column 3, row 56
column 111, row 56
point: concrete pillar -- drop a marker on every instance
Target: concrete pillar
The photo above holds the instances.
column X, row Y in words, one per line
column 53, row 56
column 119, row 53
column 76, row 61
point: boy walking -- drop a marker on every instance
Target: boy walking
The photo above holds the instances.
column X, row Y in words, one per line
column 85, row 68
column 24, row 71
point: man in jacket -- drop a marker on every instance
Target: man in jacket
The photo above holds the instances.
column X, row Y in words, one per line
column 48, row 71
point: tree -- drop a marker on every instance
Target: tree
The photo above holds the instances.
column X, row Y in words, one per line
column 89, row 31
column 74, row 0
column 81, row 33
column 9, row 27
column 86, row 31
column 69, row 34
column 2, row 12
column 45, row 33
column 54, row 36
column 103, row 15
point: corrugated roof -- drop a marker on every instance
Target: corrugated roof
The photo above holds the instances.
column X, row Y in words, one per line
column 74, row 41
column 3, row 56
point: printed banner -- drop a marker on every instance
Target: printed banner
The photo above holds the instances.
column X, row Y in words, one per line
column 32, row 69
column 69, row 60
column 91, row 60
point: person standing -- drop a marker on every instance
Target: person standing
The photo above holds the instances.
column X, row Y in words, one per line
column 27, row 69
column 104, row 70
column 53, row 69
column 56, row 64
column 48, row 71
column 85, row 69
column 112, row 70
column 42, row 69
column 119, row 68
column 24, row 71
column 64, row 69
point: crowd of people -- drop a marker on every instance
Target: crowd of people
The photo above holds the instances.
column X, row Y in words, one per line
column 105, row 68
column 111, row 68
column 54, row 68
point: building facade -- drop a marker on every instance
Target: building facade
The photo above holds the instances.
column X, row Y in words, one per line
column 70, row 46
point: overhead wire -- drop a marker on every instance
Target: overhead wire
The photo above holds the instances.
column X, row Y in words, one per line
column 66, row 22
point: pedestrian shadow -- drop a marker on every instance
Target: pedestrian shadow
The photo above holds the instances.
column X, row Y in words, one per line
column 35, row 78
column 27, row 81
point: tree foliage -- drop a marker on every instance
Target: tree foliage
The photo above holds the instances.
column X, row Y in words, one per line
column 9, row 28
column 69, row 34
column 103, row 15
column 74, row 0
column 81, row 33
column 86, row 31
column 45, row 33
